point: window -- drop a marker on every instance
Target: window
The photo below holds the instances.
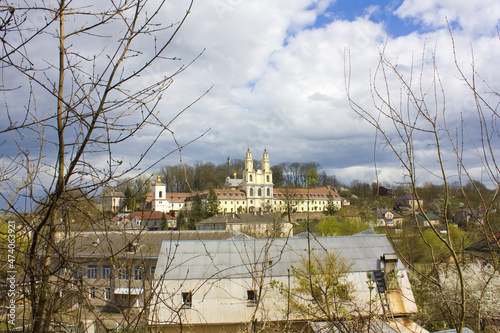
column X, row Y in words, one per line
column 123, row 274
column 187, row 299
column 107, row 293
column 267, row 178
column 250, row 178
column 78, row 275
column 138, row 273
column 124, row 297
column 160, row 194
column 259, row 192
column 106, row 272
column 152, row 270
column 91, row 292
column 251, row 298
column 251, row 192
column 268, row 192
column 92, row 272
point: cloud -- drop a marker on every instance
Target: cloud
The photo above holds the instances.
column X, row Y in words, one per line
column 472, row 17
column 278, row 68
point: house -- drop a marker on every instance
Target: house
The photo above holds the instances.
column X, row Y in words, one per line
column 406, row 202
column 384, row 191
column 153, row 220
column 269, row 225
column 464, row 216
column 388, row 218
column 223, row 285
column 116, row 268
column 486, row 250
column 427, row 219
column 112, row 201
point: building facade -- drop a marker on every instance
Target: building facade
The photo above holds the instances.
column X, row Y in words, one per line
column 253, row 193
column 223, row 285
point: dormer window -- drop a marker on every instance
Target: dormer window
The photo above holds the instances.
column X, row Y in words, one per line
column 251, row 298
column 132, row 247
column 187, row 300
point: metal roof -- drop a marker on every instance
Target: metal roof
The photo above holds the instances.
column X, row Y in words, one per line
column 216, row 259
column 104, row 244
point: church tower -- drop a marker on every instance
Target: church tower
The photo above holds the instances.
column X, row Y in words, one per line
column 160, row 202
column 258, row 184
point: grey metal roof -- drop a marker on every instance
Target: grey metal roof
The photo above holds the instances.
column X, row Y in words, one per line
column 248, row 218
column 227, row 258
column 104, row 244
column 464, row 330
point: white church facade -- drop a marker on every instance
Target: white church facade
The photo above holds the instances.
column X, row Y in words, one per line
column 254, row 192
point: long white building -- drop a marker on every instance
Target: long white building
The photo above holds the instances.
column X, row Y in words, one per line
column 225, row 285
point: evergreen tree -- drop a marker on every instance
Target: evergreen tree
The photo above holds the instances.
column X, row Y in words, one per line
column 164, row 223
column 181, row 220
column 212, row 204
column 129, row 199
column 198, row 212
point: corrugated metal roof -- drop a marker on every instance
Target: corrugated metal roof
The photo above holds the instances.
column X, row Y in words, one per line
column 146, row 243
column 239, row 257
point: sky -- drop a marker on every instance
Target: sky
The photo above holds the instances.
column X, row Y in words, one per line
column 276, row 71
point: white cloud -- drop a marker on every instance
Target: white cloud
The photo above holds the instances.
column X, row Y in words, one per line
column 278, row 81
column 473, row 17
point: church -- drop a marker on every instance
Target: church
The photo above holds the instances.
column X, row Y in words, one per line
column 253, row 193
column 256, row 184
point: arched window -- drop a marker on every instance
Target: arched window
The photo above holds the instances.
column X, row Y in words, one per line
column 160, row 194
column 267, row 178
column 250, row 178
column 259, row 192
column 268, row 192
column 251, row 192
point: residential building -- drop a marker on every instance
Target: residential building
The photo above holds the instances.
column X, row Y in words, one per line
column 112, row 201
column 230, row 200
column 388, row 218
column 407, row 202
column 315, row 199
column 153, row 220
column 117, row 267
column 262, row 224
column 464, row 216
column 486, row 250
column 428, row 219
column 384, row 191
column 224, row 285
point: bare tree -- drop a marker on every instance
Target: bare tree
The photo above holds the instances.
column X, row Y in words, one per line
column 82, row 81
column 291, row 200
column 409, row 112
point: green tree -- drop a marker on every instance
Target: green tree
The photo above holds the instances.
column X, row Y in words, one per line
column 331, row 207
column 321, row 290
column 213, row 206
column 129, row 200
column 331, row 226
column 164, row 222
column 181, row 220
column 197, row 213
